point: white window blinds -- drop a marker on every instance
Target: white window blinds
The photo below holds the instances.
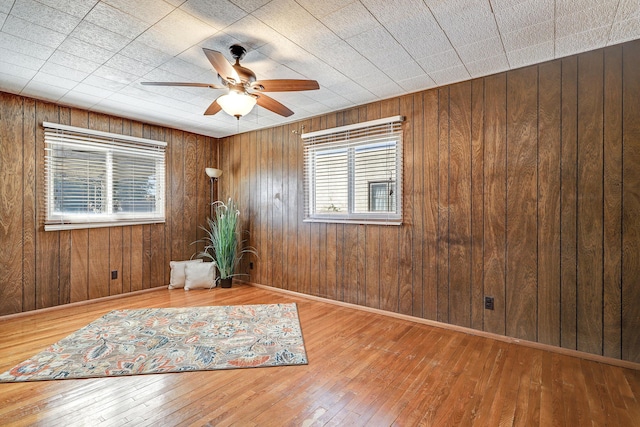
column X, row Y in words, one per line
column 354, row 173
column 98, row 179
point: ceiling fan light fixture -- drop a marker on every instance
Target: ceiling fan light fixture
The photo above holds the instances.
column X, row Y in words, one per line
column 236, row 103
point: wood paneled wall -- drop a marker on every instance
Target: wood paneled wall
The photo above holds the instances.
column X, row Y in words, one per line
column 524, row 186
column 42, row 269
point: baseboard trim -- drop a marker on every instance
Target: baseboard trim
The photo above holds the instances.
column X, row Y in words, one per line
column 547, row 347
column 78, row 303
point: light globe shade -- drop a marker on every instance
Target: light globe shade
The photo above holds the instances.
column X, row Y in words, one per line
column 237, row 104
column 213, row 172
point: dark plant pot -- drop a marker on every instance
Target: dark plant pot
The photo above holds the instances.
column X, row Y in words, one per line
column 225, row 283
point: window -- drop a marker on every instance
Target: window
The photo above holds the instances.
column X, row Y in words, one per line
column 97, row 179
column 351, row 173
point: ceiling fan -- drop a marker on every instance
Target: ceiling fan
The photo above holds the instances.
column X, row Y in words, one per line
column 244, row 89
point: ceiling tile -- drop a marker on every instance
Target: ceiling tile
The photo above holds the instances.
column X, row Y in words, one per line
column 44, row 16
column 440, row 61
column 176, row 32
column 85, row 50
column 21, row 59
column 184, row 69
column 45, row 91
column 464, row 22
column 64, row 72
column 350, row 20
column 16, row 70
column 98, row 36
column 450, row 75
column 123, row 63
column 582, row 42
column 77, row 8
column 294, row 22
column 524, row 14
column 249, row 5
column 216, row 13
column 628, row 9
column 3, row 17
column 32, row 32
column 403, row 71
column 79, row 99
column 345, row 59
column 252, row 33
column 77, row 63
column 379, row 47
column 529, row 36
column 15, row 44
column 115, row 20
column 10, row 83
column 149, row 11
column 145, row 54
column 106, row 84
column 115, row 75
column 481, row 50
column 568, row 7
column 92, row 90
column 531, row 55
column 5, row 6
column 492, row 65
column 624, row 31
column 417, row 83
column 584, row 20
column 323, row 8
column 53, row 80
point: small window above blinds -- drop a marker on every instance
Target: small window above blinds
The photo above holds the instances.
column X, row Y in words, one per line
column 353, row 174
column 99, row 179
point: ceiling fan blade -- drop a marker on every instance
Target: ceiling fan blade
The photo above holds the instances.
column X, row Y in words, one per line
column 285, row 85
column 273, row 105
column 209, row 85
column 221, row 65
column 213, row 108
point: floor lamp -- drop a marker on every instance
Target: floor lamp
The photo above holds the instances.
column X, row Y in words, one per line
column 213, row 175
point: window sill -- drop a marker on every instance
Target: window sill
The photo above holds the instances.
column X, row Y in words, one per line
column 85, row 225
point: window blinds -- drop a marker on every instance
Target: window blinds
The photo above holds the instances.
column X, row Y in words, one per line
column 354, row 173
column 97, row 179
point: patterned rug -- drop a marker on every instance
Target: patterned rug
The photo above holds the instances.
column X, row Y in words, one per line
column 160, row 340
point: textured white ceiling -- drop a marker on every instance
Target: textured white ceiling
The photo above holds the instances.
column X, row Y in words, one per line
column 94, row 54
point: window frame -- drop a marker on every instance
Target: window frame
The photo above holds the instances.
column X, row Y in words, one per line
column 384, row 132
column 62, row 138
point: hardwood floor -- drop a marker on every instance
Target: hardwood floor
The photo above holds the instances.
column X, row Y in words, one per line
column 364, row 369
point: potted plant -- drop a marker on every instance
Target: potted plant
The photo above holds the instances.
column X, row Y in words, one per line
column 222, row 241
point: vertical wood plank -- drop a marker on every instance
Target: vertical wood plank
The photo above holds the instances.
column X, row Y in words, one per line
column 11, row 203
column 631, row 203
column 177, row 195
column 477, row 203
column 460, row 205
column 613, row 96
column 190, row 207
column 418, row 261
column 522, row 144
column 443, row 205
column 430, row 205
column 405, row 238
column 495, row 200
column 29, row 205
column 99, row 275
column 278, row 214
column 568, row 200
column 549, row 137
column 136, row 248
column 590, row 201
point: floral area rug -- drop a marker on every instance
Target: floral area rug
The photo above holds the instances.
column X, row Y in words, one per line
column 159, row 340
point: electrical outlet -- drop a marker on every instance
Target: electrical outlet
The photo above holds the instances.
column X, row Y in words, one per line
column 114, row 274
column 488, row 303
column 250, row 266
